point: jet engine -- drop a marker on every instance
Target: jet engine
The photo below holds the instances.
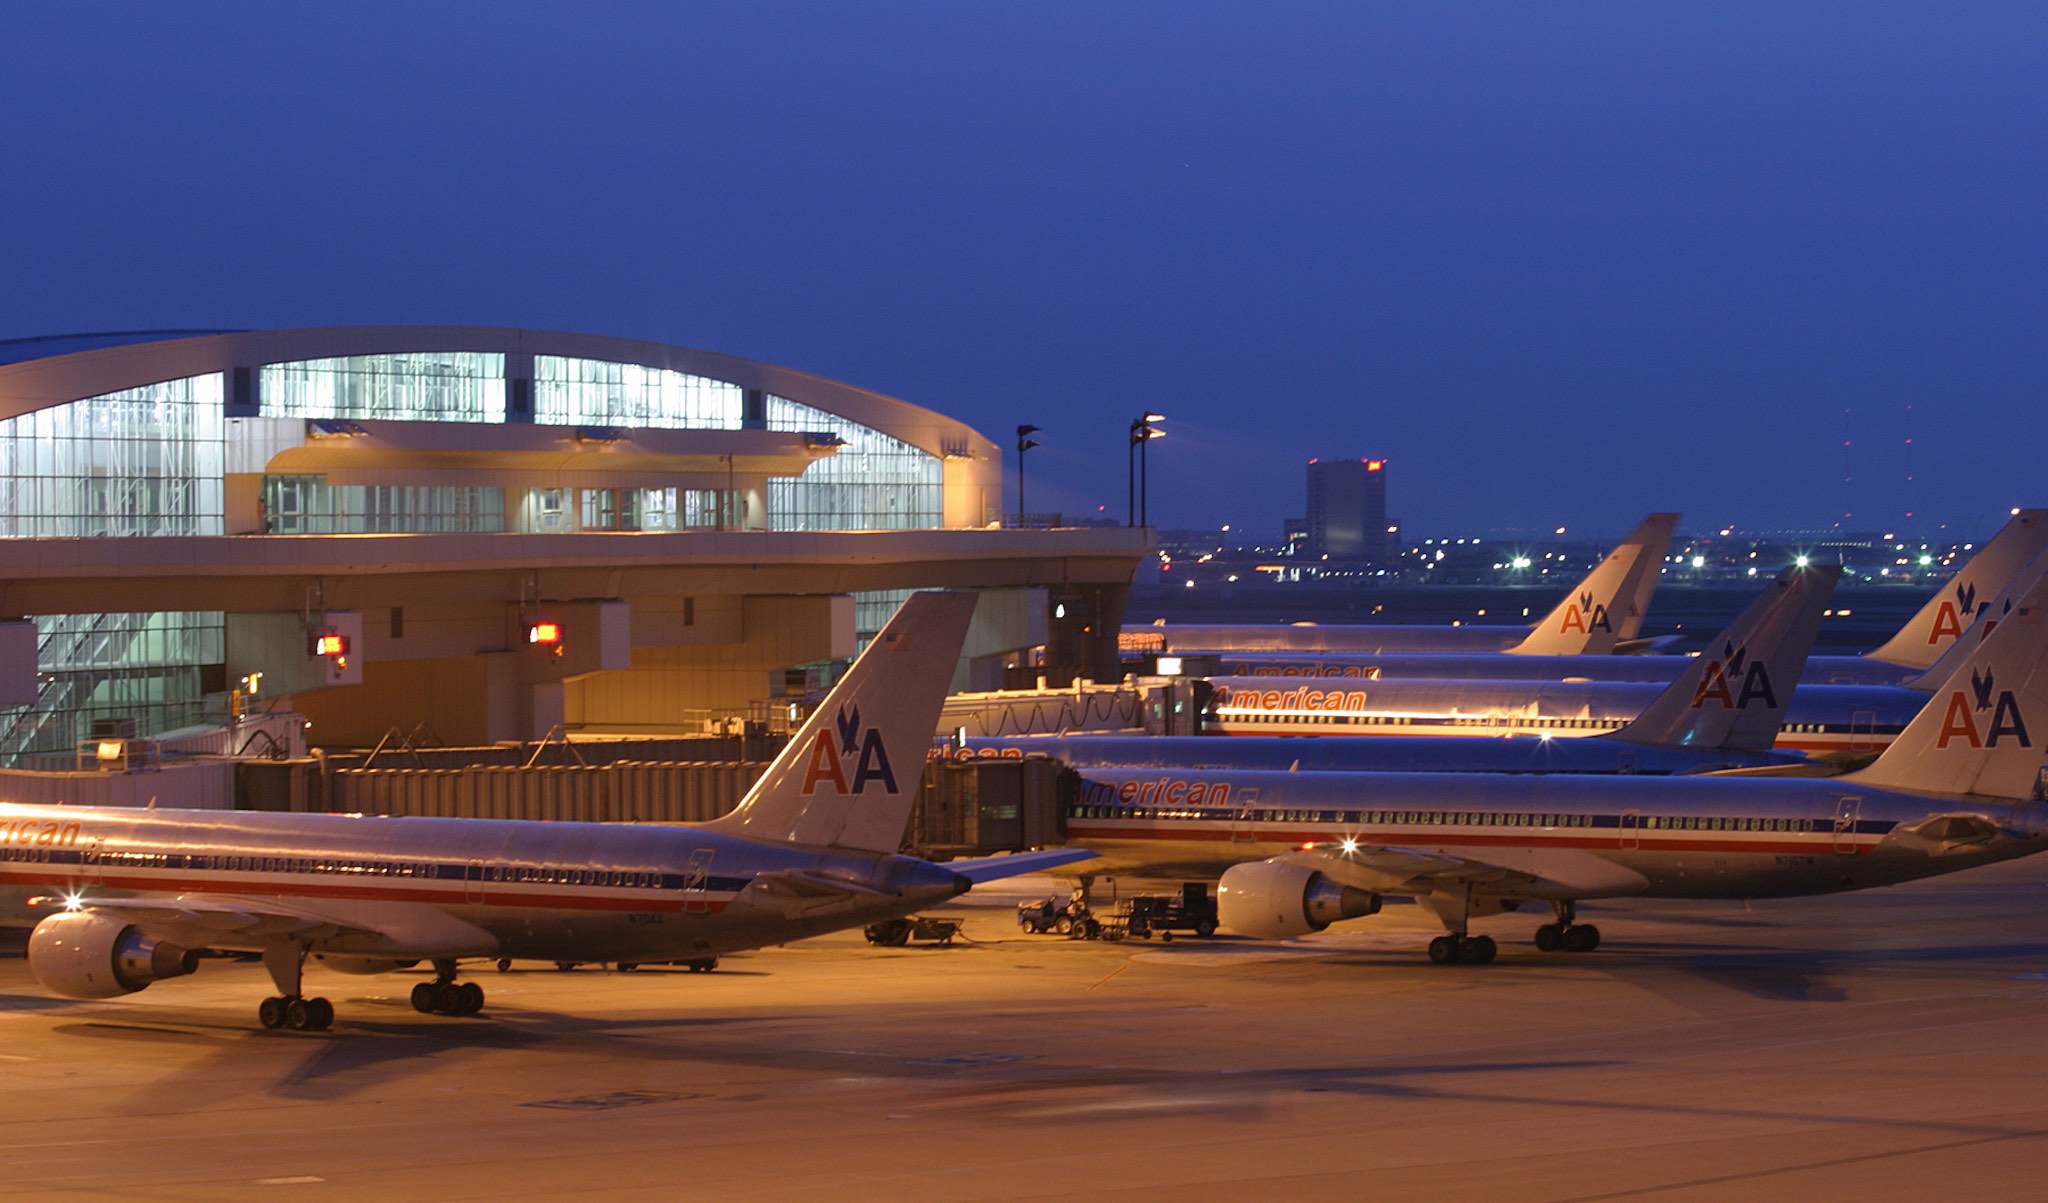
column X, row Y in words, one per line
column 1275, row 899
column 85, row 955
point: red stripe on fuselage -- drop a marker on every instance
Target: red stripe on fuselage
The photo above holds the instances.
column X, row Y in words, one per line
column 446, row 894
column 1640, row 842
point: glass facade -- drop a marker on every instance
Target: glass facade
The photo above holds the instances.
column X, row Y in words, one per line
column 308, row 505
column 423, row 386
column 156, row 461
column 144, row 462
column 139, row 463
column 594, row 392
column 875, row 482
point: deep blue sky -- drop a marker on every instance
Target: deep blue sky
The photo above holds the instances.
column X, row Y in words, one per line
column 1558, row 263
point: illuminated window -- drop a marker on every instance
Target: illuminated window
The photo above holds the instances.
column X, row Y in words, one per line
column 574, row 392
column 445, row 386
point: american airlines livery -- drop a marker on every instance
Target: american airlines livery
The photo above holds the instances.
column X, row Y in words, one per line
column 1843, row 723
column 812, row 848
column 1986, row 586
column 1960, row 787
column 1602, row 615
column 1724, row 712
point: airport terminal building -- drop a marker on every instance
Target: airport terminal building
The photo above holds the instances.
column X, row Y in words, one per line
column 487, row 534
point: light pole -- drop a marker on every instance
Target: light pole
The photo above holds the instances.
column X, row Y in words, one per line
column 1024, row 443
column 1142, row 432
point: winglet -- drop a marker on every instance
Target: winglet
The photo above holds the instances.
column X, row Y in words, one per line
column 1996, row 567
column 1608, row 606
column 1733, row 695
column 1980, row 733
column 849, row 775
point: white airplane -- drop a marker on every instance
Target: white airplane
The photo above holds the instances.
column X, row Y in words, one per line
column 1842, row 723
column 1723, row 712
column 1959, row 788
column 1995, row 577
column 1602, row 615
column 812, row 848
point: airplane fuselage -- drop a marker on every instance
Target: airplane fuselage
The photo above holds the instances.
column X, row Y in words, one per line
column 1819, row 670
column 1392, row 753
column 1818, row 718
column 1675, row 837
column 397, row 888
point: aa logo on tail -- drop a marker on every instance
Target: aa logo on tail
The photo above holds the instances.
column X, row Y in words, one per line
column 848, row 744
column 1964, row 717
column 1954, row 615
column 1719, row 682
column 1586, row 617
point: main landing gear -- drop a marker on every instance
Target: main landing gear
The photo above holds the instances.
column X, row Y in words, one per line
column 286, row 963
column 1565, row 935
column 1460, row 949
column 446, row 996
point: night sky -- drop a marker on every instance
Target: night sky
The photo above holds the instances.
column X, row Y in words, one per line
column 1779, row 265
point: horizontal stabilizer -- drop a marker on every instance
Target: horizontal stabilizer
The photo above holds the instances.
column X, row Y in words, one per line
column 1013, row 864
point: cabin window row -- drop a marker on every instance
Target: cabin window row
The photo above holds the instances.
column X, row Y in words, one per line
column 1485, row 721
column 561, row 876
column 1718, row 823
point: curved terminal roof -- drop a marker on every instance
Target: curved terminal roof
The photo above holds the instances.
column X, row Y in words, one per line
column 37, row 373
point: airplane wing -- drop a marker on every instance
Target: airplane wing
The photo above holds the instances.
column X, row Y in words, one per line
column 196, row 921
column 994, row 868
column 1565, row 873
column 397, row 929
column 1938, row 835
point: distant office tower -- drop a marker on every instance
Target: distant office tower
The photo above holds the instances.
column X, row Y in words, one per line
column 1347, row 509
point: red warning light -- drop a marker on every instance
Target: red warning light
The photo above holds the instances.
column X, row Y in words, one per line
column 330, row 645
column 544, row 632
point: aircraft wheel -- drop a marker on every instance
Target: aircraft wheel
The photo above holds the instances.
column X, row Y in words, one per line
column 1478, row 950
column 628, row 966
column 1550, row 937
column 271, row 1013
column 297, row 1015
column 564, row 966
column 320, row 1014
column 469, row 998
column 448, row 998
column 1581, row 937
column 424, row 997
column 1443, row 950
column 504, row 964
column 703, row 964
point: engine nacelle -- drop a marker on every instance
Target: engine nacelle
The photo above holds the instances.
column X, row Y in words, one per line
column 350, row 964
column 1274, row 899
column 85, row 955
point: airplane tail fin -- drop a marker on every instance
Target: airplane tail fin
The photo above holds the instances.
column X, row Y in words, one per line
column 1608, row 606
column 1734, row 693
column 1989, row 614
column 849, row 775
column 1977, row 734
column 1997, row 566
